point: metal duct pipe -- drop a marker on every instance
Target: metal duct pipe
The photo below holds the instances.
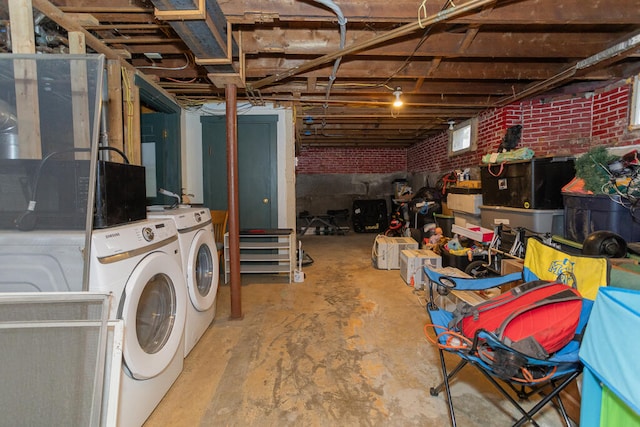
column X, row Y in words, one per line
column 342, row 21
column 9, row 146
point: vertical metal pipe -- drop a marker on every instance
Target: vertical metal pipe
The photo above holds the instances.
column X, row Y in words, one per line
column 232, row 201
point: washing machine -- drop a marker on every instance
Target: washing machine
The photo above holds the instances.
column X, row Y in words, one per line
column 199, row 264
column 42, row 260
column 139, row 264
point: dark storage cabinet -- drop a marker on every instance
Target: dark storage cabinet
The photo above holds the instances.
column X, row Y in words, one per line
column 584, row 214
column 527, row 184
column 369, row 216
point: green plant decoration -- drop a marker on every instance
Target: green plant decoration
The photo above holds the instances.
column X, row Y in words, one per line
column 592, row 167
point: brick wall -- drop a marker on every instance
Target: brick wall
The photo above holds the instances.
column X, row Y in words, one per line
column 560, row 125
column 333, row 160
column 566, row 125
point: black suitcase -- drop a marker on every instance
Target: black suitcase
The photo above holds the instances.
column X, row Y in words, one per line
column 370, row 216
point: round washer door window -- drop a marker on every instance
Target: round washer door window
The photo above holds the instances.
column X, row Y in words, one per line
column 203, row 274
column 154, row 314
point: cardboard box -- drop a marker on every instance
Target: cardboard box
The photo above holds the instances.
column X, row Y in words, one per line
column 469, row 203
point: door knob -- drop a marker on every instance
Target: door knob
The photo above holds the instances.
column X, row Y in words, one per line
column 265, row 201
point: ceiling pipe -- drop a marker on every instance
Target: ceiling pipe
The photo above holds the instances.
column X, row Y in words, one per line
column 617, row 51
column 342, row 21
column 442, row 16
column 58, row 16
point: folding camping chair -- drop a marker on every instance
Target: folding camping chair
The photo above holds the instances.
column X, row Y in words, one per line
column 546, row 377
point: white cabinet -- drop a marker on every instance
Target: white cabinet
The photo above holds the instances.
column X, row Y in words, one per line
column 263, row 251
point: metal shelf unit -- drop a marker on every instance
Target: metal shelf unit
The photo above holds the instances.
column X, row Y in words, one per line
column 263, row 252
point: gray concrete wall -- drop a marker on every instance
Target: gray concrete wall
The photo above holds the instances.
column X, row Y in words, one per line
column 318, row 193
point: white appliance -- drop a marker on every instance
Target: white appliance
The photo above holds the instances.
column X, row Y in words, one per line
column 412, row 262
column 385, row 253
column 42, row 261
column 139, row 263
column 199, row 264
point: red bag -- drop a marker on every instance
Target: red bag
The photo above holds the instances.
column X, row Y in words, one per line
column 536, row 318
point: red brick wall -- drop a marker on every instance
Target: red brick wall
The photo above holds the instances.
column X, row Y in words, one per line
column 551, row 126
column 554, row 126
column 316, row 160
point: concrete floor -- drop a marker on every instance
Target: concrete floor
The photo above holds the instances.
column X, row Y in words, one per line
column 344, row 348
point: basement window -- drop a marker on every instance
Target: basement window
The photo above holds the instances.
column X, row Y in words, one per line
column 634, row 120
column 463, row 137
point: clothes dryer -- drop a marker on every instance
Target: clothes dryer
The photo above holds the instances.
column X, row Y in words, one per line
column 139, row 263
column 199, row 264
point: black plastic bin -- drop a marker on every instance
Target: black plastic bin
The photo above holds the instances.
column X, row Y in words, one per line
column 370, row 216
column 527, row 184
column 445, row 222
column 584, row 214
column 458, row 261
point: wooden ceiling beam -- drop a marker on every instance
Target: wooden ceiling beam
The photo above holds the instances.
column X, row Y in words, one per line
column 459, row 70
column 140, row 40
column 499, row 44
column 407, row 29
column 126, row 27
column 405, row 11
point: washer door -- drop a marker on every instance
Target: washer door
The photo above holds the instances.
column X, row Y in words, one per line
column 154, row 314
column 203, row 270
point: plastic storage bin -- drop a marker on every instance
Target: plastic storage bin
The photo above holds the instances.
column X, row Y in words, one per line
column 473, row 232
column 369, row 216
column 528, row 184
column 445, row 222
column 585, row 214
column 458, row 261
column 536, row 220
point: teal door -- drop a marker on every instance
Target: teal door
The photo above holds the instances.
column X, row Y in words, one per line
column 257, row 168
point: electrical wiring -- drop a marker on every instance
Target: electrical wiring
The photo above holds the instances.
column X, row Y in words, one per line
column 425, row 34
column 155, row 67
column 422, row 10
column 181, row 81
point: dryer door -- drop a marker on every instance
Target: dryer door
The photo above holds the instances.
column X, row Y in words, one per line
column 154, row 312
column 203, row 270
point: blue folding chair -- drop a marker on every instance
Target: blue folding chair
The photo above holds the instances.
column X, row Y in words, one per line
column 517, row 372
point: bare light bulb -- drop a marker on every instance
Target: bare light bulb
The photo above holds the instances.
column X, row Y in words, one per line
column 397, row 102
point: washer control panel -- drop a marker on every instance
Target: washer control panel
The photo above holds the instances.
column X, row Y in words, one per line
column 129, row 237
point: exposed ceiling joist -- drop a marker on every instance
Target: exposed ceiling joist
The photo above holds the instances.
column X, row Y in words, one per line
column 466, row 58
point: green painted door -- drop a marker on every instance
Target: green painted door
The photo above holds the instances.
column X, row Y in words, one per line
column 257, row 168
